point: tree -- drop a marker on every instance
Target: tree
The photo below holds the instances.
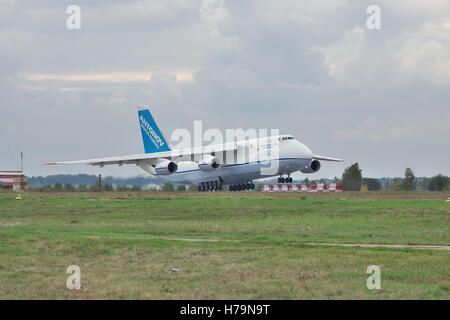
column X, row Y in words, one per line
column 424, row 183
column 136, row 188
column 306, row 181
column 396, row 185
column 82, row 188
column 47, row 188
column 181, row 187
column 372, row 184
column 191, row 188
column 352, row 178
column 439, row 183
column 168, row 187
column 58, row 186
column 68, row 187
column 123, row 188
column 387, row 186
column 95, row 186
column 108, row 187
column 409, row 183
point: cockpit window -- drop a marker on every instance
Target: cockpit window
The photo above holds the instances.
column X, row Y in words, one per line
column 287, row 138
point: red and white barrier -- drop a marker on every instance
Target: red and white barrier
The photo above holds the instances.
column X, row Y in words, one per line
column 314, row 187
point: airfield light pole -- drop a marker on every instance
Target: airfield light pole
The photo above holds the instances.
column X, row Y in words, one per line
column 100, row 182
column 21, row 161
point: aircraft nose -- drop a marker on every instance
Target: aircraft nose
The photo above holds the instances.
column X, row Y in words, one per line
column 305, row 152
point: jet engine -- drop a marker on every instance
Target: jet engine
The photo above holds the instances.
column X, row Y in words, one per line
column 209, row 163
column 165, row 167
column 313, row 167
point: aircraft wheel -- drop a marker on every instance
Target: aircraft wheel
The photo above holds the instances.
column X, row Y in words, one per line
column 279, row 180
column 230, row 188
column 252, row 186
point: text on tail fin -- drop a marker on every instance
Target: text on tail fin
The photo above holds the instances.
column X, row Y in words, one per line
column 152, row 137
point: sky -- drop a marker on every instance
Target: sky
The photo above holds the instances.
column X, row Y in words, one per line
column 308, row 68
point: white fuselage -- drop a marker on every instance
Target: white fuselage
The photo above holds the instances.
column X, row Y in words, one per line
column 254, row 159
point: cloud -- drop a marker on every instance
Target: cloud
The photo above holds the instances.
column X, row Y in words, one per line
column 418, row 5
column 426, row 53
column 370, row 129
column 303, row 12
column 340, row 55
column 110, row 77
column 213, row 12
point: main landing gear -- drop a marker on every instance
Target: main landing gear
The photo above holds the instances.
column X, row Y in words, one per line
column 210, row 186
column 241, row 187
column 285, row 180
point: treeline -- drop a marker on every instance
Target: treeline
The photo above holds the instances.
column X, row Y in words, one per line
column 68, row 187
column 352, row 180
column 89, row 180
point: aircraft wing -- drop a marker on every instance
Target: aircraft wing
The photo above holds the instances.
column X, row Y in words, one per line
column 317, row 157
column 173, row 155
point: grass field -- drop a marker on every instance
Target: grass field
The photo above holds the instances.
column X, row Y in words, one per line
column 224, row 245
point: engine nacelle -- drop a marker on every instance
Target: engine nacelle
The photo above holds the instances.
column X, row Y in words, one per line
column 165, row 167
column 313, row 167
column 209, row 163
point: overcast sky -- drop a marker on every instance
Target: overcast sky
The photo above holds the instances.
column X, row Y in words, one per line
column 310, row 68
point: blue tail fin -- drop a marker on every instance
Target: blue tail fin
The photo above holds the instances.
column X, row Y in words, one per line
column 152, row 137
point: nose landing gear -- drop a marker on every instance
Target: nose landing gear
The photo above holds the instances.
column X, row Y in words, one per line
column 288, row 179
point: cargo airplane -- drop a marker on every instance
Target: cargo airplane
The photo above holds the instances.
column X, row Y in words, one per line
column 211, row 167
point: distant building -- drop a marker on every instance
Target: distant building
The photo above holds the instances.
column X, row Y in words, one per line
column 13, row 180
